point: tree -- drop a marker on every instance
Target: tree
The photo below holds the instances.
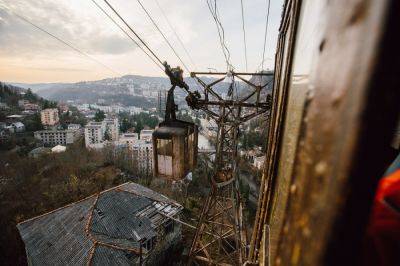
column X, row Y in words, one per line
column 99, row 116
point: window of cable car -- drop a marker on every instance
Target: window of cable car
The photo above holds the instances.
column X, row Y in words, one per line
column 308, row 40
column 164, row 156
column 191, row 148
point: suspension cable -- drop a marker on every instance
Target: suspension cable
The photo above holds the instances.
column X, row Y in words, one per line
column 162, row 34
column 130, row 28
column 244, row 35
column 265, row 36
column 127, row 34
column 221, row 33
column 176, row 34
column 62, row 41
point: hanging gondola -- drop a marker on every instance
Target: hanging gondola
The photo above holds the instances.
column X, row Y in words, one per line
column 174, row 141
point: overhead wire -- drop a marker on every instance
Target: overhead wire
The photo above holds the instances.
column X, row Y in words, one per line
column 127, row 34
column 244, row 34
column 162, row 34
column 176, row 34
column 134, row 32
column 62, row 41
column 265, row 35
column 221, row 33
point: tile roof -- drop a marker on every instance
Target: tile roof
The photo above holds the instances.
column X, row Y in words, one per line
column 103, row 229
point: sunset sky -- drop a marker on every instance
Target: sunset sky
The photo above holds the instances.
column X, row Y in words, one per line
column 29, row 55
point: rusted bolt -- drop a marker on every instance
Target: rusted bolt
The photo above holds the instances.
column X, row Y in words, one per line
column 320, row 168
column 293, row 189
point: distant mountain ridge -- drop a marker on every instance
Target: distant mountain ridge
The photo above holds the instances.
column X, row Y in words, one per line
column 118, row 89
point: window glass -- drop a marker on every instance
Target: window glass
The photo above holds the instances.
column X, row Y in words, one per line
column 164, row 147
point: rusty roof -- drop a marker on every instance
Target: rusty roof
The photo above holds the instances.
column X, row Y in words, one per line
column 106, row 227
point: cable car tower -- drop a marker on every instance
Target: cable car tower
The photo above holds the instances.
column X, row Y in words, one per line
column 220, row 236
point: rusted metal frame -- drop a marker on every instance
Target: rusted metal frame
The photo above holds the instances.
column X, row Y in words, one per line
column 224, row 208
column 209, row 112
column 229, row 103
column 274, row 128
column 254, row 243
column 227, row 234
column 291, row 30
column 207, row 87
column 221, row 236
column 192, row 74
column 227, row 225
column 200, row 224
column 250, row 116
column 353, row 186
column 211, row 262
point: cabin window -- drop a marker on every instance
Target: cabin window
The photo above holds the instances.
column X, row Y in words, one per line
column 164, row 155
column 149, row 244
column 169, row 226
column 164, row 147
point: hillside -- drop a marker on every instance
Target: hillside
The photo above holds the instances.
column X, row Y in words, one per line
column 127, row 90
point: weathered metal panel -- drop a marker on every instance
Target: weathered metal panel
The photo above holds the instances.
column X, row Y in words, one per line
column 316, row 188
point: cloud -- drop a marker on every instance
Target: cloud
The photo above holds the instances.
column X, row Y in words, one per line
column 82, row 24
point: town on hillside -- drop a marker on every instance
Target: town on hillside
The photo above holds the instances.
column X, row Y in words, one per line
column 60, row 152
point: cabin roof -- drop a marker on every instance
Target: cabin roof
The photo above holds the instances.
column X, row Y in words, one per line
column 167, row 132
column 104, row 227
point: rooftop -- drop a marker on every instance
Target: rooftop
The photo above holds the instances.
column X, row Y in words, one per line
column 105, row 227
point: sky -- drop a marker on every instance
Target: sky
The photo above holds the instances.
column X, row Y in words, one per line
column 31, row 56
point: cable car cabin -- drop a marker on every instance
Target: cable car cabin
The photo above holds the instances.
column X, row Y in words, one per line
column 174, row 149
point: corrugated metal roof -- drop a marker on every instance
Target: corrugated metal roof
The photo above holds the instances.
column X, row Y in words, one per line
column 102, row 229
column 58, row 238
column 109, row 256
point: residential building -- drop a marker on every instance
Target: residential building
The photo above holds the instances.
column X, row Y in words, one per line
column 125, row 225
column 146, row 135
column 57, row 137
column 31, row 107
column 49, row 117
column 74, row 127
column 129, row 138
column 18, row 127
column 94, row 134
column 21, row 103
column 63, row 107
column 112, row 128
column 143, row 154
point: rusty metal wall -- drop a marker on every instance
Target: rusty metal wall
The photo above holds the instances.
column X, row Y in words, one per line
column 326, row 111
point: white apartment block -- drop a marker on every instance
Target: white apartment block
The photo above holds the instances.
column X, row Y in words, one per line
column 112, row 127
column 49, row 117
column 143, row 153
column 146, row 135
column 94, row 134
column 57, row 137
column 74, row 127
column 129, row 139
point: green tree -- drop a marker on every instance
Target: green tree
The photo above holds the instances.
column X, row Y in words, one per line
column 99, row 116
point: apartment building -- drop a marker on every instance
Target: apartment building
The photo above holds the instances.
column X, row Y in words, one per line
column 49, row 117
column 143, row 154
column 94, row 134
column 129, row 138
column 74, row 127
column 146, row 135
column 57, row 137
column 112, row 128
